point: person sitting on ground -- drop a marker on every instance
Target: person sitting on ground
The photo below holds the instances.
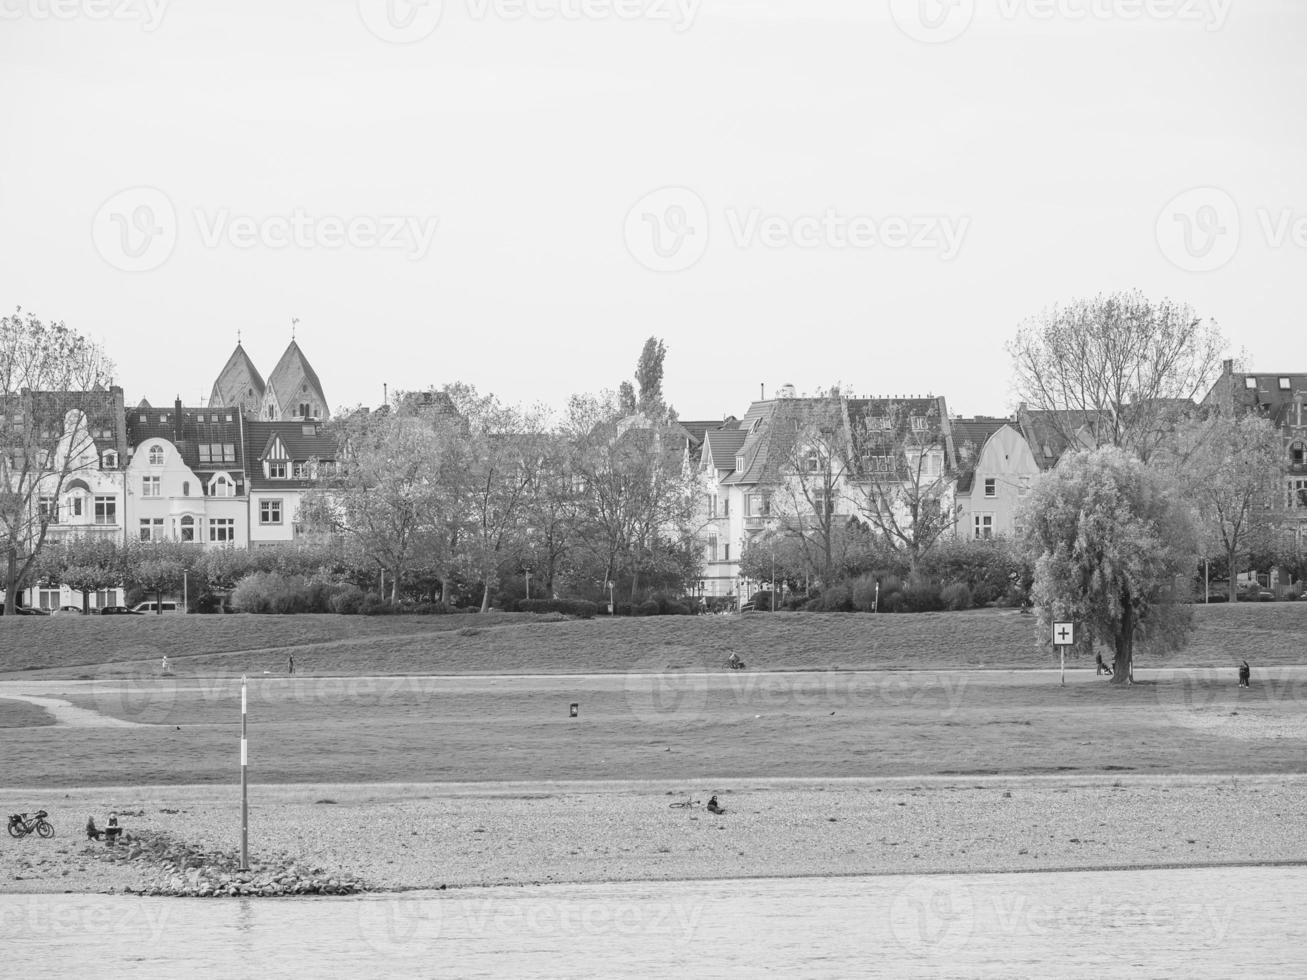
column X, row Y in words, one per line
column 713, row 807
column 1102, row 667
column 1245, row 674
column 92, row 831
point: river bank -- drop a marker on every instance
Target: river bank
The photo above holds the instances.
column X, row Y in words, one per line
column 420, row 836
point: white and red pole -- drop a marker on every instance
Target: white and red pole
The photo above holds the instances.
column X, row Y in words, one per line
column 245, row 801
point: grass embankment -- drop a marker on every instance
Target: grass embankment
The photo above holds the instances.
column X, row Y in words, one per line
column 1265, row 633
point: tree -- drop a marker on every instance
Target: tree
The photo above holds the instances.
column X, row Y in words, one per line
column 809, row 441
column 1107, row 536
column 395, row 489
column 552, row 511
column 46, row 371
column 904, row 479
column 85, row 565
column 501, row 449
column 1118, row 370
column 1234, row 472
column 649, row 376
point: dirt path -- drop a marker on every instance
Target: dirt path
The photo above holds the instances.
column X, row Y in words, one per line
column 68, row 715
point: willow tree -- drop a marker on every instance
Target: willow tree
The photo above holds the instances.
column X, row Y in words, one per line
column 1108, row 537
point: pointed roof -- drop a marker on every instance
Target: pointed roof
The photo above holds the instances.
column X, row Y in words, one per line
column 239, row 383
column 292, row 373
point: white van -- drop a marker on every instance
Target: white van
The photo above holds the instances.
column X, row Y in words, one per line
column 153, row 608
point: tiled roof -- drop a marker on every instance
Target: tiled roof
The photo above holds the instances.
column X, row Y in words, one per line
column 720, row 447
column 103, row 410
column 188, row 429
column 303, row 441
column 293, row 363
column 239, row 382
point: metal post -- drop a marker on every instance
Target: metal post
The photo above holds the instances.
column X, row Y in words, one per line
column 245, row 800
column 185, row 593
column 1063, row 652
column 1207, row 585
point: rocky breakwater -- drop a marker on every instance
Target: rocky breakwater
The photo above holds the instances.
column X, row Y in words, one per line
column 175, row 868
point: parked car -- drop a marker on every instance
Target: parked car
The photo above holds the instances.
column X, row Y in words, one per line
column 167, row 608
column 70, row 610
column 758, row 602
column 1256, row 595
column 25, row 611
column 1216, row 597
column 119, row 611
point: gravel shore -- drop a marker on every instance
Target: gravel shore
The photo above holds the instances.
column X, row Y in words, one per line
column 413, row 836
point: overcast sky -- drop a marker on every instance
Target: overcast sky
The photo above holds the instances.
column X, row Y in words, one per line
column 516, row 193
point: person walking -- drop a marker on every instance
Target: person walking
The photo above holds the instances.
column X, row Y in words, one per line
column 165, row 663
column 290, row 663
column 1102, row 667
column 1245, row 674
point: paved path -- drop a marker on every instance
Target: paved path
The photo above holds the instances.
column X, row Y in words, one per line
column 69, row 716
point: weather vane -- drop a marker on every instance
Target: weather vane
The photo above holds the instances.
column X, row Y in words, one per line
column 294, row 322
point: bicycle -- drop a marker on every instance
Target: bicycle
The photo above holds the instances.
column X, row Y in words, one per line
column 685, row 804
column 20, row 826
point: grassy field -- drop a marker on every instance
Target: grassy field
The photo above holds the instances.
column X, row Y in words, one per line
column 1265, row 633
column 741, row 725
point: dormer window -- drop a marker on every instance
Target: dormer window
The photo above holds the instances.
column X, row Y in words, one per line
column 156, row 455
column 739, row 464
column 109, row 461
column 1284, row 384
column 276, row 471
column 1250, row 383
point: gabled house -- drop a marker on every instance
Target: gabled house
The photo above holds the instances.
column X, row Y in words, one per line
column 185, row 479
column 996, row 472
column 283, row 459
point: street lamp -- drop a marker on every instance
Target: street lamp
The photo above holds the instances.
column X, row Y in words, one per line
column 528, row 583
column 612, row 608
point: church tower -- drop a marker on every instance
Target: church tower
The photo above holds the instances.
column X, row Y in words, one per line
column 293, row 391
column 239, row 384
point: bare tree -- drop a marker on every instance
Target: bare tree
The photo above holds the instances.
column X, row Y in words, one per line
column 1117, row 369
column 46, row 371
column 904, row 477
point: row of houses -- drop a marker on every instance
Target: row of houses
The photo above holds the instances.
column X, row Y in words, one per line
column 982, row 468
column 230, row 473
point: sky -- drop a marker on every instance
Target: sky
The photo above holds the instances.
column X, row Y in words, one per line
column 515, row 194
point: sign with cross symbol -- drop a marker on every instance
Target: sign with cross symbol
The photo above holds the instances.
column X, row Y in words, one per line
column 1064, row 634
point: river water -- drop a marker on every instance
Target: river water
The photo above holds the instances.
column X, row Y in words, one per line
column 1132, row 924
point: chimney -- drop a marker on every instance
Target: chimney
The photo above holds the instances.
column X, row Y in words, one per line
column 1227, row 366
column 177, row 421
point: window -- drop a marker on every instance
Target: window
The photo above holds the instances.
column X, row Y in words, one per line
column 151, row 528
column 188, row 528
column 991, row 487
column 984, row 524
column 1284, row 384
column 712, row 505
column 269, row 511
column 822, row 503
column 757, row 505
column 727, row 547
column 150, row 487
column 77, row 506
column 299, row 471
column 276, row 471
column 880, row 423
column 726, row 507
column 1296, row 454
column 106, row 510
column 1250, row 383
column 814, row 463
column 222, row 530
column 712, row 547
column 228, row 453
column 1298, row 493
column 206, row 454
column 308, row 430
column 156, row 455
column 48, row 509
column 109, row 461
column 48, row 598
column 186, row 488
column 739, row 464
column 1023, row 485
column 304, row 410
column 879, row 463
column 163, row 418
column 918, row 423
column 144, row 419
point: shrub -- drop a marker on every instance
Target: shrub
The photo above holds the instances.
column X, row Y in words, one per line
column 837, row 598
column 864, row 593
column 270, row 592
column 676, row 609
column 895, row 602
column 922, row 596
column 347, row 600
column 648, row 608
column 956, row 597
column 581, row 608
column 623, row 608
column 374, row 605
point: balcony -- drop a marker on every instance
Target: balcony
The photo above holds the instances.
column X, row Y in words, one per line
column 755, row 523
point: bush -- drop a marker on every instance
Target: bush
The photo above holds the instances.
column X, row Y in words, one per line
column 374, row 605
column 837, row 598
column 676, row 609
column 648, row 608
column 985, row 567
column 270, row 592
column 956, row 597
column 623, row 609
column 347, row 600
column 581, row 608
column 921, row 596
column 895, row 602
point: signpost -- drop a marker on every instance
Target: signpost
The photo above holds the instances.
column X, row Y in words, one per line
column 245, row 808
column 1064, row 635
